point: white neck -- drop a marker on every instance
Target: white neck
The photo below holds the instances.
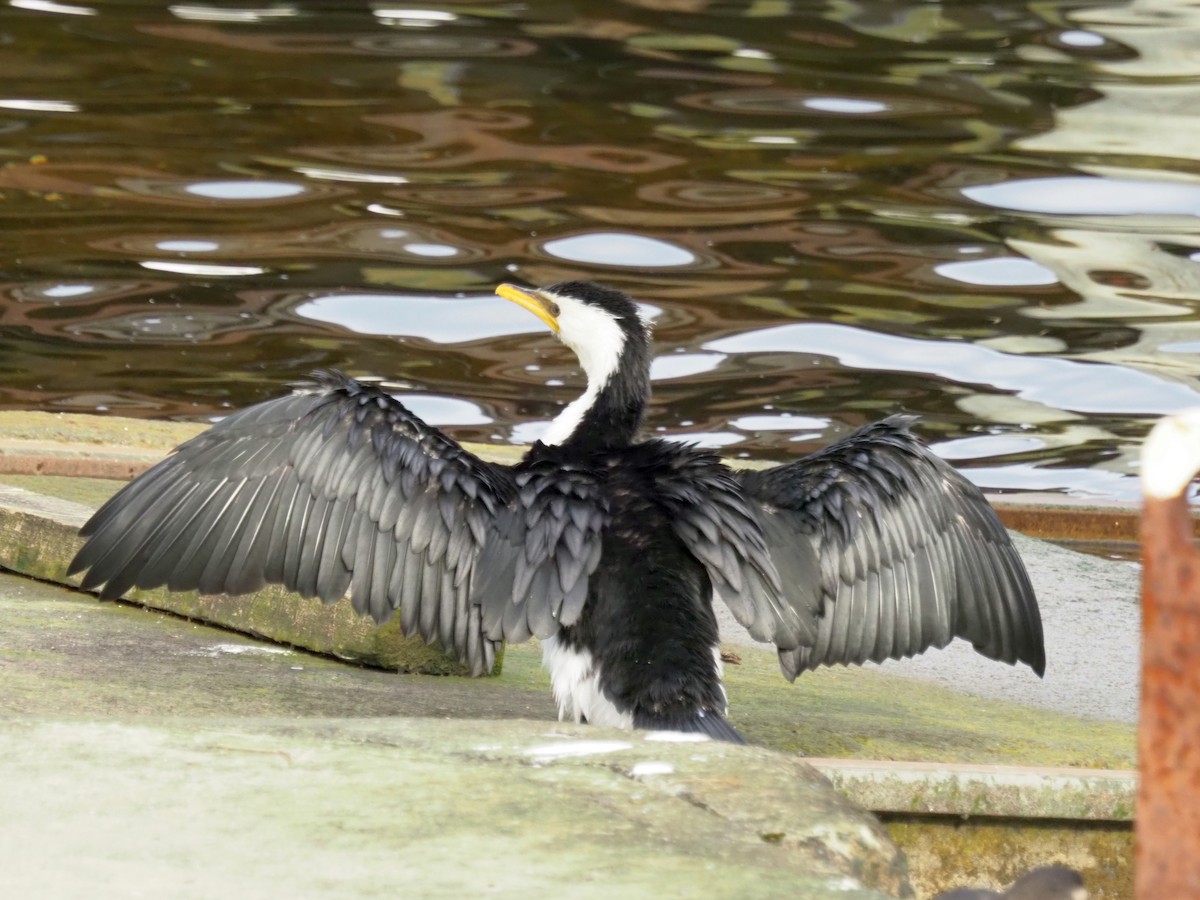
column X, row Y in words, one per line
column 597, row 340
column 568, row 420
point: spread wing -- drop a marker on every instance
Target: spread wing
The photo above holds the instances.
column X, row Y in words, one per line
column 534, row 571
column 896, row 551
column 332, row 490
column 712, row 516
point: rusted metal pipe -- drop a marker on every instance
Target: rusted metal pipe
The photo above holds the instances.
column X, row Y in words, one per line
column 1167, row 824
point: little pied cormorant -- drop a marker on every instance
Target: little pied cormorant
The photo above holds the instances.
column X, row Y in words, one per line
column 607, row 548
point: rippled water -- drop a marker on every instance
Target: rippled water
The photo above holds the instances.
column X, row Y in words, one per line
column 984, row 213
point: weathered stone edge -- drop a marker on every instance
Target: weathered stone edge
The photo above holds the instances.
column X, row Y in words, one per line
column 951, row 789
column 39, row 537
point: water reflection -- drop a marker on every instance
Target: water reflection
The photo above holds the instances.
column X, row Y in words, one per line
column 972, row 212
column 998, row 271
column 608, row 248
column 48, row 6
column 1058, row 384
column 430, row 317
column 1090, row 196
column 244, row 190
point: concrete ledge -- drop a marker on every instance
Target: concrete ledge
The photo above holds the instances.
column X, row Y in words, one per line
column 954, row 789
column 67, row 659
column 39, row 537
column 421, row 807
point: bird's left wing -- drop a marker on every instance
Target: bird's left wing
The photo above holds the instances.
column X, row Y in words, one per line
column 535, row 568
column 337, row 488
column 902, row 553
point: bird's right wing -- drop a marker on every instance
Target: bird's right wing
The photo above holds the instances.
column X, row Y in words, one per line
column 896, row 551
column 333, row 489
column 711, row 514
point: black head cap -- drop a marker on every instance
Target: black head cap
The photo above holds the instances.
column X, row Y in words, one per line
column 617, row 304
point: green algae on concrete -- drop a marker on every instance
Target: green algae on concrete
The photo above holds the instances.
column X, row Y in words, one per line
column 1103, row 795
column 112, row 447
column 39, row 536
column 945, row 852
column 856, row 713
column 862, row 713
column 92, row 431
column 66, row 656
column 138, row 748
column 419, row 807
column 90, row 492
column 832, row 713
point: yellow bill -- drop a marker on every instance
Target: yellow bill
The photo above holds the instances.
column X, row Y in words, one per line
column 532, row 301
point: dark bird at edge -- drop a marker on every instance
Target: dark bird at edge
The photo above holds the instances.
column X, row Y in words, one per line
column 1054, row 882
column 609, row 549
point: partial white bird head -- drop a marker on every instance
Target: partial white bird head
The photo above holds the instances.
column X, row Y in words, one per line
column 604, row 329
column 1171, row 455
column 596, row 322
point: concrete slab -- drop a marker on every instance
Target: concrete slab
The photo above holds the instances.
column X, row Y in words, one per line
column 144, row 755
column 96, row 693
column 64, row 654
column 1092, row 622
column 419, row 808
column 39, row 537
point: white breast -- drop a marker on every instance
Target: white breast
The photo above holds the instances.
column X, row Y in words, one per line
column 575, row 677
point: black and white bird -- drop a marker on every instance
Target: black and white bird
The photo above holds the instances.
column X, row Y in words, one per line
column 610, row 549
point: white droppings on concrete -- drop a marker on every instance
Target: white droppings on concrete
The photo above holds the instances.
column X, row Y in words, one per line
column 569, row 749
column 651, row 767
column 845, row 883
column 235, row 649
column 678, row 737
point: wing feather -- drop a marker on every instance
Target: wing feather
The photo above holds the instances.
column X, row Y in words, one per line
column 909, row 554
column 725, row 533
column 338, row 487
column 545, row 549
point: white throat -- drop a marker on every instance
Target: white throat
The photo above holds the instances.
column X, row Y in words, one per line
column 598, row 341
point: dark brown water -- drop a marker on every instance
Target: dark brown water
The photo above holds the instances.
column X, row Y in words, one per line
column 982, row 213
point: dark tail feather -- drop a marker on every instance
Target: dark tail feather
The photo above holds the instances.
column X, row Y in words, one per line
column 710, row 723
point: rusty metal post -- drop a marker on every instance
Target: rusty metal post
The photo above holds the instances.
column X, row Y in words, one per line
column 1167, row 828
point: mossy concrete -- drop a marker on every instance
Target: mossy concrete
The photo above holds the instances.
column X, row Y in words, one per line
column 39, row 537
column 859, row 713
column 420, row 808
column 112, row 447
column 142, row 752
column 834, row 713
column 992, row 853
column 964, row 791
column 48, row 453
column 66, row 657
